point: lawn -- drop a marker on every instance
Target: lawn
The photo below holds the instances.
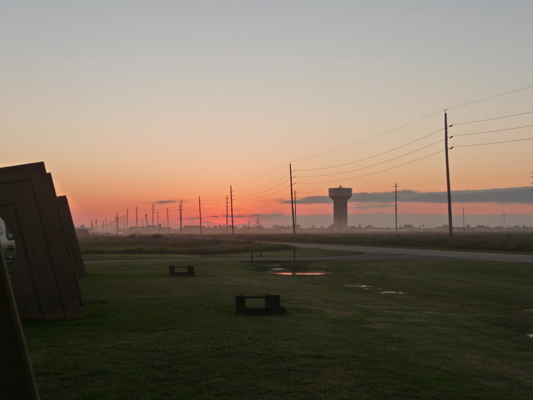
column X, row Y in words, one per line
column 458, row 331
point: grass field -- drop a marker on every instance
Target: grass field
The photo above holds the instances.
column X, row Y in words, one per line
column 458, row 331
column 513, row 242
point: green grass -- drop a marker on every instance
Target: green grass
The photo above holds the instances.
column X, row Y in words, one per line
column 458, row 332
column 515, row 242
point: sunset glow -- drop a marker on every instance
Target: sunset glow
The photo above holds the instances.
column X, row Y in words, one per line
column 134, row 104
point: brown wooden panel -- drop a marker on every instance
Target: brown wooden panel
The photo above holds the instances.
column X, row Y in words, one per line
column 44, row 281
column 16, row 375
column 72, row 238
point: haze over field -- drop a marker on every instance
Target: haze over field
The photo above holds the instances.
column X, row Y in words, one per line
column 134, row 103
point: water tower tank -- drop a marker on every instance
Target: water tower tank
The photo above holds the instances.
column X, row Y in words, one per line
column 340, row 197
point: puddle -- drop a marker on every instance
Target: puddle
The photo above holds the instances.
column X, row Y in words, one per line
column 391, row 292
column 360, row 286
column 301, row 273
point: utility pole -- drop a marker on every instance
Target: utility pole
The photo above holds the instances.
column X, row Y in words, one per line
column 146, row 221
column 295, row 213
column 231, row 200
column 292, row 203
column 153, row 216
column 181, row 216
column 227, row 201
column 450, row 224
column 200, row 211
column 127, row 219
column 136, row 217
column 118, row 227
column 396, row 207
column 157, row 221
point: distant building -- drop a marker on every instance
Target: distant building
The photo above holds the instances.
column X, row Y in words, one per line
column 340, row 197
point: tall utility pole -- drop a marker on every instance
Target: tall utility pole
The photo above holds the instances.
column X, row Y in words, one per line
column 227, row 201
column 295, row 213
column 181, row 216
column 136, row 217
column 200, row 211
column 292, row 204
column 396, row 207
column 118, row 227
column 231, row 200
column 158, row 221
column 450, row 224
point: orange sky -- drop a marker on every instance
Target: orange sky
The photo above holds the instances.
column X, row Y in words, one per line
column 129, row 104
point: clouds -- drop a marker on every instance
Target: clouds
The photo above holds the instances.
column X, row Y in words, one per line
column 165, row 201
column 519, row 195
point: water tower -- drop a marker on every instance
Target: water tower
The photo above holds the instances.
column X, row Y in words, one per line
column 340, row 197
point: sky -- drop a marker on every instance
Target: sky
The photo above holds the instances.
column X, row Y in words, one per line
column 134, row 103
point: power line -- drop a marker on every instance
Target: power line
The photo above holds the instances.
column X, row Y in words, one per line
column 492, row 119
column 377, row 172
column 264, row 191
column 374, row 156
column 371, row 138
column 489, row 98
column 497, row 130
column 372, row 165
column 260, row 187
column 260, row 176
column 270, row 194
column 486, row 144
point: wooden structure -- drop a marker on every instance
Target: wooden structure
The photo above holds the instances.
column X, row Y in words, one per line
column 16, row 374
column 44, row 282
column 272, row 305
column 187, row 271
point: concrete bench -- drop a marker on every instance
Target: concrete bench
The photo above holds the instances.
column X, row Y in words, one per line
column 272, row 305
column 188, row 271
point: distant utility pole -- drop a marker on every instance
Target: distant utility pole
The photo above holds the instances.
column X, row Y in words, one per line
column 118, row 227
column 227, row 204
column 200, row 211
column 136, row 217
column 146, row 219
column 231, row 200
column 450, row 224
column 292, row 203
column 257, row 219
column 127, row 219
column 153, row 216
column 181, row 217
column 158, row 221
column 396, row 207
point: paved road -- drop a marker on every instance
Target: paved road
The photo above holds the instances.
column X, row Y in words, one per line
column 390, row 252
